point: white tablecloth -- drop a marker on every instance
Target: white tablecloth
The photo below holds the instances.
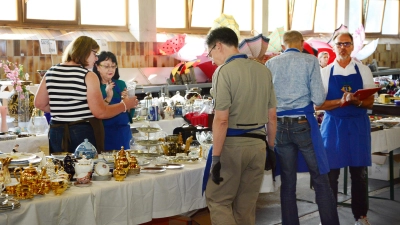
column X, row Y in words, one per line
column 136, row 200
column 26, row 144
column 385, row 140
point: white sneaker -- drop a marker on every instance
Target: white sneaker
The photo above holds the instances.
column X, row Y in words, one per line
column 362, row 221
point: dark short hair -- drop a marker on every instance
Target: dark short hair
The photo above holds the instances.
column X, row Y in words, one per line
column 103, row 56
column 343, row 33
column 224, row 35
column 79, row 50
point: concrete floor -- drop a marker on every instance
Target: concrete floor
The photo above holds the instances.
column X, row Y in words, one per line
column 381, row 211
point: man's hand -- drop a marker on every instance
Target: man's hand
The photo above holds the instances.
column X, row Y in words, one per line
column 215, row 170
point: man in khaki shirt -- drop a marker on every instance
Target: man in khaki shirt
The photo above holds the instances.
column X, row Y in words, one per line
column 244, row 104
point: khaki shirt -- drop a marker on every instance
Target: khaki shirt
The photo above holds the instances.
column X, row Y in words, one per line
column 245, row 87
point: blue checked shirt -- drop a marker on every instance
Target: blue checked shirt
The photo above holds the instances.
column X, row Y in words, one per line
column 297, row 80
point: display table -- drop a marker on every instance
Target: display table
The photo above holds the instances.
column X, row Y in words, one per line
column 27, row 144
column 385, row 140
column 136, row 200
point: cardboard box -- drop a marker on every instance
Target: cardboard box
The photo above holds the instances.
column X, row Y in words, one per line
column 380, row 166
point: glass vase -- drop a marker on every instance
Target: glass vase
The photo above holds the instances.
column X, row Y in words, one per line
column 23, row 110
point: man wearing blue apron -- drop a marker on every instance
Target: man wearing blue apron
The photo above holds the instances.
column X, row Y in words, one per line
column 298, row 144
column 346, row 130
column 244, row 103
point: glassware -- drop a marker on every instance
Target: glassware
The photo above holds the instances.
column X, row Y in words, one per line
column 38, row 123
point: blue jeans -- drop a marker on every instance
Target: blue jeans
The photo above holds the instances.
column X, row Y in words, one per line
column 292, row 138
column 77, row 132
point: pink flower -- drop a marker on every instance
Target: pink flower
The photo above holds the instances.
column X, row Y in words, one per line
column 15, row 75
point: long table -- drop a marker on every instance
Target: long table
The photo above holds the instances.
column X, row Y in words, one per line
column 136, row 200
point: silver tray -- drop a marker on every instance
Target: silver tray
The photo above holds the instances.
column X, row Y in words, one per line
column 148, row 129
column 156, row 169
column 171, row 166
column 141, row 153
column 148, row 142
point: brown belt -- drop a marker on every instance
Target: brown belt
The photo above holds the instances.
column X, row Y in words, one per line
column 290, row 120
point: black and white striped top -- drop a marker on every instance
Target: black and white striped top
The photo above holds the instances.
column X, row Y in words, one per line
column 68, row 93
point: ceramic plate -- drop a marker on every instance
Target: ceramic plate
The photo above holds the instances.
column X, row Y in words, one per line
column 148, row 142
column 148, row 129
column 171, row 166
column 82, row 185
column 152, row 169
column 144, row 163
column 102, row 168
column 23, row 156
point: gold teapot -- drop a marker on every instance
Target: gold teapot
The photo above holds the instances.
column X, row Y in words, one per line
column 134, row 168
column 24, row 191
column 44, row 183
column 28, row 176
column 120, row 159
column 119, row 173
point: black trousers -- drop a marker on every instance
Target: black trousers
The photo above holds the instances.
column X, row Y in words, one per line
column 359, row 201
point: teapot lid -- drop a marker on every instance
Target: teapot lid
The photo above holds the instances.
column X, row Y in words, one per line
column 84, row 161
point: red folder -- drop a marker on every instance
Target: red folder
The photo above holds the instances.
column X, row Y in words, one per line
column 363, row 94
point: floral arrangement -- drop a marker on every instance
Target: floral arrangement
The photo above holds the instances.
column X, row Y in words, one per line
column 15, row 72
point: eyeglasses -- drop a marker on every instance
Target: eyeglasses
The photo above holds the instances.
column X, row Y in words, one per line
column 108, row 67
column 95, row 52
column 343, row 44
column 209, row 53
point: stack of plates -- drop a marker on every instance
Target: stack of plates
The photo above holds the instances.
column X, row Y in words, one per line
column 7, row 204
column 21, row 159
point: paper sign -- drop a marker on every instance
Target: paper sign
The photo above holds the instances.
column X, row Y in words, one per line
column 48, row 46
column 103, row 44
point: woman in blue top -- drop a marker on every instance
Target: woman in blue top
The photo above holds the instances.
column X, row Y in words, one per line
column 117, row 129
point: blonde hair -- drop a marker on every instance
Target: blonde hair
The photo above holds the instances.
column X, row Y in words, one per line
column 292, row 36
column 79, row 50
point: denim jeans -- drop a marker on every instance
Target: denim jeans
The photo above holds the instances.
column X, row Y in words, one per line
column 292, row 138
column 77, row 132
column 359, row 186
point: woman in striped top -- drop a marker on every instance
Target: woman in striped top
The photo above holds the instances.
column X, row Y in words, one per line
column 71, row 93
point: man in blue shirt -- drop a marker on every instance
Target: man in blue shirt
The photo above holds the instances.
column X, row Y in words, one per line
column 297, row 79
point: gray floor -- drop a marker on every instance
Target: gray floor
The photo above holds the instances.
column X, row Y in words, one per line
column 381, row 211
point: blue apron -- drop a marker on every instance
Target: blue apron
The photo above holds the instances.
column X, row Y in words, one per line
column 346, row 131
column 319, row 149
column 117, row 129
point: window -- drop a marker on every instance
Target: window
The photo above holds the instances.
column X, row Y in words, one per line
column 204, row 12
column 355, row 15
column 168, row 18
column 391, row 18
column 241, row 11
column 303, row 15
column 51, row 10
column 104, row 12
column 277, row 14
column 11, row 14
column 325, row 16
column 374, row 16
